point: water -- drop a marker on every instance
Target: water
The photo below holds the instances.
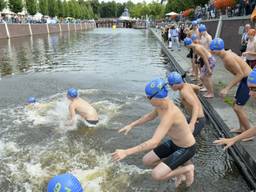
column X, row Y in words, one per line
column 110, row 68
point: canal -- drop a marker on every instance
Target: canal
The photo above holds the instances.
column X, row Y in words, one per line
column 110, row 68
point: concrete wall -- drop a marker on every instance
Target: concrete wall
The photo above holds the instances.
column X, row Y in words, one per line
column 19, row 30
column 38, row 29
column 3, row 33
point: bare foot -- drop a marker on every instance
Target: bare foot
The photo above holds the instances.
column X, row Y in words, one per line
column 248, row 139
column 179, row 179
column 208, row 96
column 236, row 130
column 190, row 175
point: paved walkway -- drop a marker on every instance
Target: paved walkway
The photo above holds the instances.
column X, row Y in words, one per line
column 223, row 107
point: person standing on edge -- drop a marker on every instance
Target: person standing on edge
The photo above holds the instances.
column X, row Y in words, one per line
column 244, row 38
column 250, row 53
column 240, row 69
column 206, row 70
column 250, row 132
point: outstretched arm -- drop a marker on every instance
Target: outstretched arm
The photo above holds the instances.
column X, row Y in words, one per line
column 159, row 134
column 148, row 117
column 231, row 141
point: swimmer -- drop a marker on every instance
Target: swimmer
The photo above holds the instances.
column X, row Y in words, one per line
column 205, row 38
column 240, row 69
column 250, row 132
column 190, row 101
column 33, row 104
column 209, row 63
column 165, row 158
column 81, row 107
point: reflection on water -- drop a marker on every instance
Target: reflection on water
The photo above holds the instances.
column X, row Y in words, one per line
column 110, row 68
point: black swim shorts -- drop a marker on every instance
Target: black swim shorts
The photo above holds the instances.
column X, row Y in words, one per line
column 242, row 93
column 173, row 155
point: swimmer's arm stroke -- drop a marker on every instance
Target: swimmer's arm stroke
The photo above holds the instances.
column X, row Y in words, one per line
column 148, row 117
column 195, row 109
column 150, row 144
column 231, row 141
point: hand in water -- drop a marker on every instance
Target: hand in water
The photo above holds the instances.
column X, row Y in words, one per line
column 225, row 141
column 119, row 154
column 126, row 129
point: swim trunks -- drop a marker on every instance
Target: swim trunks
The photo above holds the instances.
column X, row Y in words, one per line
column 199, row 125
column 90, row 123
column 175, row 156
column 212, row 63
column 242, row 93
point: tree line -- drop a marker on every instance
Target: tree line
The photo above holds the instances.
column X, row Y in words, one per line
column 88, row 9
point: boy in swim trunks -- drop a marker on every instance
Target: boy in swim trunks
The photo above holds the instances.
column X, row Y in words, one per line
column 239, row 68
column 190, row 101
column 206, row 70
column 81, row 107
column 251, row 81
column 166, row 158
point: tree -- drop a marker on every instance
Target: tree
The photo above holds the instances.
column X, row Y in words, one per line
column 2, row 4
column 65, row 9
column 43, row 7
column 52, row 8
column 31, row 6
column 15, row 5
column 60, row 6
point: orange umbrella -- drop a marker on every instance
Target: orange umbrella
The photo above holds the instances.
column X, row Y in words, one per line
column 253, row 15
column 187, row 12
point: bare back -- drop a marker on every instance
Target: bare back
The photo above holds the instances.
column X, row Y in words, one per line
column 84, row 109
column 179, row 131
column 189, row 90
column 202, row 51
column 234, row 64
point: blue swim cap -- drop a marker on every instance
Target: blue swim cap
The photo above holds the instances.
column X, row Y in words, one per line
column 156, row 89
column 194, row 37
column 63, row 183
column 72, row 92
column 194, row 22
column 252, row 77
column 175, row 78
column 187, row 41
column 31, row 100
column 217, row 44
column 202, row 28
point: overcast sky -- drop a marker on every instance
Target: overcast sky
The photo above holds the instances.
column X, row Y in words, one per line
column 134, row 1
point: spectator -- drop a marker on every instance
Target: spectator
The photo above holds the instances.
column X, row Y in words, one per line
column 244, row 39
column 174, row 35
column 250, row 53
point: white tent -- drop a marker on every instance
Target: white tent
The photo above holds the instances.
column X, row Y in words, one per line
column 7, row 12
column 171, row 14
column 38, row 16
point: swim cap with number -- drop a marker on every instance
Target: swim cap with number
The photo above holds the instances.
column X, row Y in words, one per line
column 175, row 78
column 217, row 44
column 156, row 88
column 252, row 77
column 64, row 183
